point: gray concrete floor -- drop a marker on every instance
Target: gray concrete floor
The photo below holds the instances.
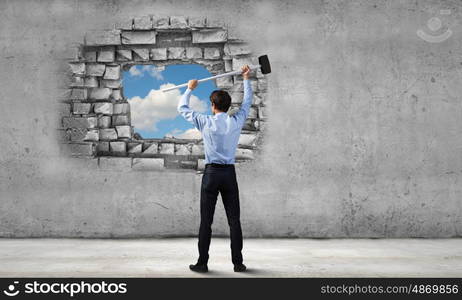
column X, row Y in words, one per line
column 264, row 257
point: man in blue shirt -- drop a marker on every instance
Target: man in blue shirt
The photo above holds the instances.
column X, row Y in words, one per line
column 220, row 134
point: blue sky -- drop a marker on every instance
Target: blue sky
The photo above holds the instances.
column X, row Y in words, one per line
column 153, row 112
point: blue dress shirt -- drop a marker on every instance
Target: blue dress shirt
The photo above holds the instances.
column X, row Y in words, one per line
column 220, row 132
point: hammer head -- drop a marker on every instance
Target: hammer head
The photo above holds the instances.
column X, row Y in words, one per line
column 264, row 64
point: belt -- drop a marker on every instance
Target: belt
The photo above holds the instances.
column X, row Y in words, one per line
column 219, row 165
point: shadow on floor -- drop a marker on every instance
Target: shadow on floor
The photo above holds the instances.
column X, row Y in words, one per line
column 257, row 272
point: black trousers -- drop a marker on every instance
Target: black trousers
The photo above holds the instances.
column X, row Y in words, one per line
column 219, row 179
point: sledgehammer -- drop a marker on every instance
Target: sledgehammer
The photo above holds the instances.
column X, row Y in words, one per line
column 263, row 64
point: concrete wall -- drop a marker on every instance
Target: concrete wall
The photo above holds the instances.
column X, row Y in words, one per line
column 363, row 137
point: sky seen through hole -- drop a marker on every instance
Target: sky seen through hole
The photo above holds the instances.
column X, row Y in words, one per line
column 154, row 113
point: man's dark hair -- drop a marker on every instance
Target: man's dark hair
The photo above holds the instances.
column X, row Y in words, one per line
column 221, row 99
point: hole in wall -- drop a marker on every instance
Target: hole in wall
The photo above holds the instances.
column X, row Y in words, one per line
column 96, row 120
column 154, row 113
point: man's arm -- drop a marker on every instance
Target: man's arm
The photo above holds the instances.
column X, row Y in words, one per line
column 197, row 119
column 243, row 111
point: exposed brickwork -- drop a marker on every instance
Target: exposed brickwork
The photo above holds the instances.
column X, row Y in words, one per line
column 95, row 115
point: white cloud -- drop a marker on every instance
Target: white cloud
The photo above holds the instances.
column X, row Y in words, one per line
column 153, row 71
column 157, row 106
column 135, row 72
column 192, row 133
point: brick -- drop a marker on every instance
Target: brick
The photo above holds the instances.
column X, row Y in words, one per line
column 92, row 135
column 197, row 22
column 106, row 54
column 247, row 139
column 233, row 49
column 125, row 24
column 91, row 82
column 228, row 65
column 134, row 148
column 151, row 149
column 159, row 53
column 262, row 84
column 124, row 131
column 253, row 112
column 250, row 124
column 200, row 164
column 171, row 162
column 232, row 110
column 77, row 134
column 80, row 149
column 184, row 38
column 81, row 108
column 119, row 148
column 167, row 148
column 95, row 69
column 116, row 94
column 113, row 84
column 148, row 164
column 90, row 56
column 105, row 108
column 209, row 36
column 112, row 72
column 178, row 22
column 254, row 85
column 214, row 66
column 239, row 85
column 188, row 164
column 121, row 108
column 237, row 97
column 100, row 93
column 77, row 82
column 107, row 134
column 197, row 150
column 224, row 82
column 78, row 94
column 120, row 120
column 102, row 37
column 176, row 53
column 115, row 163
column 102, row 147
column 123, row 54
column 259, row 124
column 138, row 37
column 193, row 52
column 212, row 53
column 259, row 99
column 77, row 68
column 141, row 54
column 104, row 121
column 142, row 23
column 161, row 22
column 182, row 149
column 238, row 62
column 79, row 122
column 244, row 154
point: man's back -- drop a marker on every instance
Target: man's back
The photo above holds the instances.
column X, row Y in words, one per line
column 220, row 132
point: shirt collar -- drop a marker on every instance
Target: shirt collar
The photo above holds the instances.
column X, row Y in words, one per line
column 217, row 114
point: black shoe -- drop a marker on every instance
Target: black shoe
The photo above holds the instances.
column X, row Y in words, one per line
column 239, row 268
column 199, row 268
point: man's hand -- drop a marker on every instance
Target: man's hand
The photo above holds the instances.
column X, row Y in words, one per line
column 192, row 84
column 245, row 71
